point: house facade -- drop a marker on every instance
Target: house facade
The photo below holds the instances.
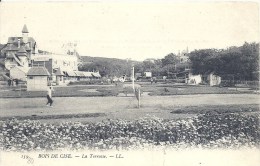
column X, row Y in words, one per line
column 37, row 79
column 21, row 53
column 54, row 62
column 193, row 79
column 213, row 79
column 19, row 50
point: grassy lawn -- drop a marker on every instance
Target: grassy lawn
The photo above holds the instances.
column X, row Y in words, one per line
column 172, row 89
column 159, row 89
column 68, row 91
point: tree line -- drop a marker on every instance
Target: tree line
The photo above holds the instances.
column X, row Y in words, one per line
column 239, row 63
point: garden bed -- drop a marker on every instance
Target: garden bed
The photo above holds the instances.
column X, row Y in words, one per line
column 207, row 131
column 216, row 109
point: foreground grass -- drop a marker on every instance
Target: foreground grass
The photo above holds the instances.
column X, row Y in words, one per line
column 208, row 131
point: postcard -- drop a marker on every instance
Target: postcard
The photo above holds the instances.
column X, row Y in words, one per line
column 129, row 83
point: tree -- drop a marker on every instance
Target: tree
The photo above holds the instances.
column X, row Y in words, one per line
column 240, row 62
column 170, row 59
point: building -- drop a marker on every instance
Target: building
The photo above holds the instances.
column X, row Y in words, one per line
column 21, row 53
column 183, row 56
column 193, row 79
column 59, row 77
column 148, row 74
column 37, row 79
column 19, row 50
column 67, row 64
column 212, row 79
column 18, row 72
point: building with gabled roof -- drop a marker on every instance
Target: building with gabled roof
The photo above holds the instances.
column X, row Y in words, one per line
column 22, row 52
column 38, row 71
column 19, row 50
column 37, row 79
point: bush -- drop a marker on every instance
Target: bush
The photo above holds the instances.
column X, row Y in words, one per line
column 209, row 131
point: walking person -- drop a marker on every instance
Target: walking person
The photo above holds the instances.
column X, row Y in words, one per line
column 9, row 82
column 49, row 96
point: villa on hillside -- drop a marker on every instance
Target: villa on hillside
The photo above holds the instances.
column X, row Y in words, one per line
column 19, row 50
column 20, row 54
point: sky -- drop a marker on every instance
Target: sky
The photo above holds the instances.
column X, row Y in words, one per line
column 136, row 30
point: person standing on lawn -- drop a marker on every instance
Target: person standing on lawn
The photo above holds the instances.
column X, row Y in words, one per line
column 49, row 96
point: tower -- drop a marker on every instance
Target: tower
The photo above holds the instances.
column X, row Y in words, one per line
column 25, row 33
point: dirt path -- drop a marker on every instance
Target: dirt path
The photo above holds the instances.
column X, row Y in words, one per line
column 118, row 107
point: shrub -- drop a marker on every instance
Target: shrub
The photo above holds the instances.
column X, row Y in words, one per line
column 208, row 131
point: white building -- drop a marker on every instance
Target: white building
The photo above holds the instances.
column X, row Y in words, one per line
column 193, row 79
column 37, row 79
column 64, row 62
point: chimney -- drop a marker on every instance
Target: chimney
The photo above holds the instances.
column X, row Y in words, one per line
column 19, row 43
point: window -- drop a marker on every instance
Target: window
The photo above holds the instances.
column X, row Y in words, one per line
column 30, row 77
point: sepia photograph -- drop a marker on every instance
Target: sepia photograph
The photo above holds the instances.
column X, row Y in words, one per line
column 156, row 83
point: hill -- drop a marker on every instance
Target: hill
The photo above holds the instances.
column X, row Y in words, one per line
column 107, row 66
column 89, row 59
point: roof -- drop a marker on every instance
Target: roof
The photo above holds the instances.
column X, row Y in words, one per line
column 10, row 40
column 31, row 39
column 58, row 72
column 79, row 73
column 25, row 30
column 71, row 73
column 22, row 51
column 10, row 55
column 11, row 47
column 96, row 74
column 27, row 47
column 23, row 69
column 38, row 71
column 14, row 41
column 87, row 74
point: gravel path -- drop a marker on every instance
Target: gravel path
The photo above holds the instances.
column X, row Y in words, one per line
column 118, row 107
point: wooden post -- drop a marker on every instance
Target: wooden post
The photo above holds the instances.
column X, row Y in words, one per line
column 20, row 90
column 133, row 77
column 139, row 98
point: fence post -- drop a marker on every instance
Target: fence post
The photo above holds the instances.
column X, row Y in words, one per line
column 139, row 98
column 20, row 90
